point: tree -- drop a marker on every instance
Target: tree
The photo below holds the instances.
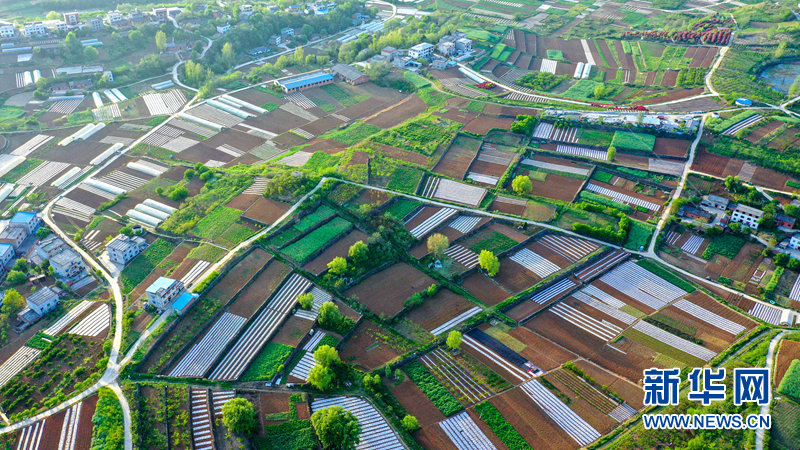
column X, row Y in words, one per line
column 321, row 377
column 135, row 36
column 15, row 277
column 52, row 15
column 326, row 356
column 72, row 46
column 437, row 244
column 90, row 53
column 21, row 264
column 228, row 55
column 306, row 300
column 602, row 91
column 42, row 232
column 612, row 153
column 358, row 252
column 522, row 184
column 189, row 174
column 410, row 423
column 329, row 316
column 240, row 417
column 161, row 40
column 454, row 340
column 338, row 265
column 299, row 55
column 13, row 302
column 336, row 428
column 489, row 262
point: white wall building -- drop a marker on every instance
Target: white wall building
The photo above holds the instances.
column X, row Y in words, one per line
column 422, row 50
column 43, row 301
column 34, row 29
column 123, row 249
column 746, row 215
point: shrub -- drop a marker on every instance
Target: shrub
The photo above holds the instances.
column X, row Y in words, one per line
column 790, row 385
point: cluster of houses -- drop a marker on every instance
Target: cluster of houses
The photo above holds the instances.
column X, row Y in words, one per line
column 16, row 240
column 452, row 48
column 71, row 21
column 286, row 36
column 164, row 292
column 718, row 210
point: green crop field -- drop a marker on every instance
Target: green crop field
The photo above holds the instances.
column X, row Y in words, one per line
column 141, row 266
column 628, row 140
column 405, row 179
column 214, row 224
column 423, row 135
column 308, row 221
column 301, row 249
column 727, row 245
column 556, row 55
column 268, row 362
column 353, row 134
column 401, row 208
column 598, row 138
column 495, row 243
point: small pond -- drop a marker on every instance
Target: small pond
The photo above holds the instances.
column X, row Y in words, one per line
column 780, row 76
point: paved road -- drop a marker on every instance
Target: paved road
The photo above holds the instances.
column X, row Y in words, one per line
column 770, row 363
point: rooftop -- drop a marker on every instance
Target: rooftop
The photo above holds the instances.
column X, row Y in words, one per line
column 23, row 217
column 160, row 283
column 305, row 79
column 42, row 296
column 422, row 46
column 183, row 301
column 347, row 71
column 64, row 257
column 749, row 210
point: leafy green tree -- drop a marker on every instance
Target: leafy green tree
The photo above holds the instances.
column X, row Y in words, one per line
column 228, row 55
column 438, row 244
column 454, row 339
column 326, row 356
column 338, row 265
column 189, row 174
column 336, row 428
column 43, row 232
column 135, row 36
column 612, row 153
column 13, row 302
column 410, row 423
column 90, row 53
column 329, row 316
column 602, row 91
column 522, row 184
column 52, row 15
column 358, row 252
column 321, row 377
column 15, row 277
column 306, row 300
column 240, row 417
column 73, row 49
column 21, row 264
column 161, row 40
column 489, row 262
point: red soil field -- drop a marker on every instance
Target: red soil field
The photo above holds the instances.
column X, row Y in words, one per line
column 788, row 352
column 256, row 294
column 292, row 331
column 531, row 422
column 485, row 289
column 507, row 208
column 239, row 275
column 484, row 123
column 83, row 439
column 340, row 248
column 628, row 364
column 385, row 291
column 672, row 147
column 266, row 211
column 398, row 113
column 415, row 402
column 540, row 351
column 435, row 311
column 675, row 94
column 557, row 187
column 763, row 130
column 714, row 164
column 364, row 350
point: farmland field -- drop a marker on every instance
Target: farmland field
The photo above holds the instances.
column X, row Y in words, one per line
column 306, row 246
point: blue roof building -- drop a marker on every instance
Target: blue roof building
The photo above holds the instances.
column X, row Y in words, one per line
column 744, row 102
column 27, row 220
column 163, row 291
column 296, row 83
column 182, row 303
